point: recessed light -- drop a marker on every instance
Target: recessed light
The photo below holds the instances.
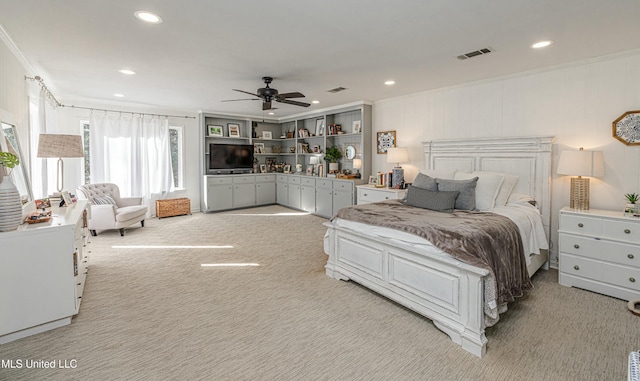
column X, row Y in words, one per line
column 271, row 113
column 118, row 95
column 389, row 83
column 541, row 44
column 127, row 71
column 315, row 102
column 147, row 16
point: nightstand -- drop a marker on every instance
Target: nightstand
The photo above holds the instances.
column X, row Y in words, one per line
column 599, row 250
column 369, row 193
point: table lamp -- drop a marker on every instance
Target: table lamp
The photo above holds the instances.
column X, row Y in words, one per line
column 581, row 163
column 357, row 164
column 58, row 145
column 397, row 155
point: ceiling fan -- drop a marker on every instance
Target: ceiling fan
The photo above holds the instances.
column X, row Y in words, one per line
column 267, row 95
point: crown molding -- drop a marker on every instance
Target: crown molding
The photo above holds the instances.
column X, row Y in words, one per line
column 4, row 36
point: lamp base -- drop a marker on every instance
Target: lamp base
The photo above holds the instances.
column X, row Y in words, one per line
column 579, row 193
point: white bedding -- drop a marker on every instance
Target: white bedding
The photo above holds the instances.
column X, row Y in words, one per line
column 523, row 214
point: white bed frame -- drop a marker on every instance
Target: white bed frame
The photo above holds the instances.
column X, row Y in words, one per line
column 439, row 287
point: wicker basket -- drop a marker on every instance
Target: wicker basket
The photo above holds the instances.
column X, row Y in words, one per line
column 173, row 207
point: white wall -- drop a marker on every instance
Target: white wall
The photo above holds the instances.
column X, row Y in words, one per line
column 576, row 103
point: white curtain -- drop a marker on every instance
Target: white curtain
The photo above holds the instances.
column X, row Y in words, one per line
column 133, row 152
column 43, row 119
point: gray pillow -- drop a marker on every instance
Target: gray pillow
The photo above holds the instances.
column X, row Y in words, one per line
column 432, row 200
column 467, row 198
column 425, row 182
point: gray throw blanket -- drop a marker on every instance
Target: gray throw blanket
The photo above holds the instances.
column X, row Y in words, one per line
column 481, row 239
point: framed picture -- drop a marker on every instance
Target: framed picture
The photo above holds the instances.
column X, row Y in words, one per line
column 214, row 130
column 258, row 148
column 316, row 149
column 287, row 168
column 373, row 180
column 319, row 127
column 263, row 168
column 234, row 130
column 310, row 170
column 386, row 140
column 356, row 128
column 67, row 198
column 267, row 135
column 43, row 203
column 321, row 170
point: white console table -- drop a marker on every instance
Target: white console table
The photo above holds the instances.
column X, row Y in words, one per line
column 43, row 268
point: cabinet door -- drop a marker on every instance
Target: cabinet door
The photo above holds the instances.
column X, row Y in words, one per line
column 308, row 198
column 244, row 195
column 219, row 197
column 341, row 200
column 282, row 193
column 324, row 202
column 294, row 196
column 265, row 193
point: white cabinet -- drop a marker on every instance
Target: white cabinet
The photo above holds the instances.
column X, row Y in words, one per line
column 294, row 192
column 244, row 191
column 219, row 193
column 369, row 193
column 282, row 190
column 599, row 250
column 308, row 194
column 265, row 189
column 42, row 273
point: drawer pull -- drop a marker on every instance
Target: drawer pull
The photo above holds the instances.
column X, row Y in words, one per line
column 386, row 198
column 365, row 195
column 580, row 225
column 576, row 246
column 632, row 280
column 627, row 231
column 630, row 256
column 576, row 267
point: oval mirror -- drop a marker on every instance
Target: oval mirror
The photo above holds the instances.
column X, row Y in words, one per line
column 350, row 152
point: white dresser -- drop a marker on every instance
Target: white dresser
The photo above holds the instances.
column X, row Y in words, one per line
column 42, row 273
column 599, row 250
column 369, row 193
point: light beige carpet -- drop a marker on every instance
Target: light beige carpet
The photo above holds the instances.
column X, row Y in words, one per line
column 156, row 314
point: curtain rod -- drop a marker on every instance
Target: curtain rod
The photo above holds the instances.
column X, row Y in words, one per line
column 48, row 93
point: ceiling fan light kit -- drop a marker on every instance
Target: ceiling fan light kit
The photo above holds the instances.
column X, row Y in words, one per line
column 268, row 94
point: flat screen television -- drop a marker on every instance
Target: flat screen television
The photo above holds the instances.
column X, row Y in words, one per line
column 226, row 158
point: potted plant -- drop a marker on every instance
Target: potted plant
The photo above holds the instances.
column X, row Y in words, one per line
column 332, row 155
column 631, row 207
column 11, row 215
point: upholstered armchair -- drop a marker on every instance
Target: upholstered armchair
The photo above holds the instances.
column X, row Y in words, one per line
column 109, row 210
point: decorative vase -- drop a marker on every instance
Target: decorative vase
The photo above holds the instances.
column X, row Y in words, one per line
column 631, row 209
column 10, row 205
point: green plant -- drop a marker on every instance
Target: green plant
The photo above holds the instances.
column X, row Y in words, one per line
column 9, row 160
column 333, row 154
column 632, row 197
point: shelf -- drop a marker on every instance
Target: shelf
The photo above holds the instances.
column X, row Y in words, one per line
column 343, row 135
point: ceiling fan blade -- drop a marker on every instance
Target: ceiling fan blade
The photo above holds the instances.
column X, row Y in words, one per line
column 234, row 100
column 246, row 92
column 295, row 103
column 291, row 95
column 266, row 105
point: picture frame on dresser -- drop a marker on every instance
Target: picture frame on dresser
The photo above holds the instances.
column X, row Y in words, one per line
column 214, row 130
column 356, row 127
column 234, row 130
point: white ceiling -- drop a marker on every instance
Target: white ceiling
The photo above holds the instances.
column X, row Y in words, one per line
column 204, row 48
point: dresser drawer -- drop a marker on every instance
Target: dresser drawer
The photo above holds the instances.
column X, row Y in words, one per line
column 343, row 185
column 213, row 180
column 580, row 246
column 308, row 182
column 581, row 267
column 265, row 178
column 282, row 178
column 628, row 231
column 324, row 183
column 581, row 225
column 621, row 276
column 623, row 254
column 250, row 179
column 372, row 195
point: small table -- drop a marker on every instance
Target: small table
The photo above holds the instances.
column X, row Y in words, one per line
column 369, row 193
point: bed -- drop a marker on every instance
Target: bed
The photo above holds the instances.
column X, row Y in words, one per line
column 416, row 273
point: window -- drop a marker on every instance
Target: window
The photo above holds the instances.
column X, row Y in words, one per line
column 87, row 154
column 175, row 141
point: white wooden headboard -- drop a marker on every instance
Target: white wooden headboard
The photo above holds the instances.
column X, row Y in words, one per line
column 529, row 158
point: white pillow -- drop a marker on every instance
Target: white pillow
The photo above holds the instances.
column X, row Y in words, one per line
column 440, row 173
column 487, row 189
column 505, row 189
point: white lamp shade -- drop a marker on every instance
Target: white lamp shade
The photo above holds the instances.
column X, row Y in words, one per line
column 581, row 163
column 357, row 163
column 397, row 155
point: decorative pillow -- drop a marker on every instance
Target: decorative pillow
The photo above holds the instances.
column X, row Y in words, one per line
column 506, row 188
column 425, row 182
column 487, row 189
column 467, row 198
column 103, row 200
column 432, row 200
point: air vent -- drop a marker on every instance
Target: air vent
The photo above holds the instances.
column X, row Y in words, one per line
column 337, row 89
column 475, row 53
